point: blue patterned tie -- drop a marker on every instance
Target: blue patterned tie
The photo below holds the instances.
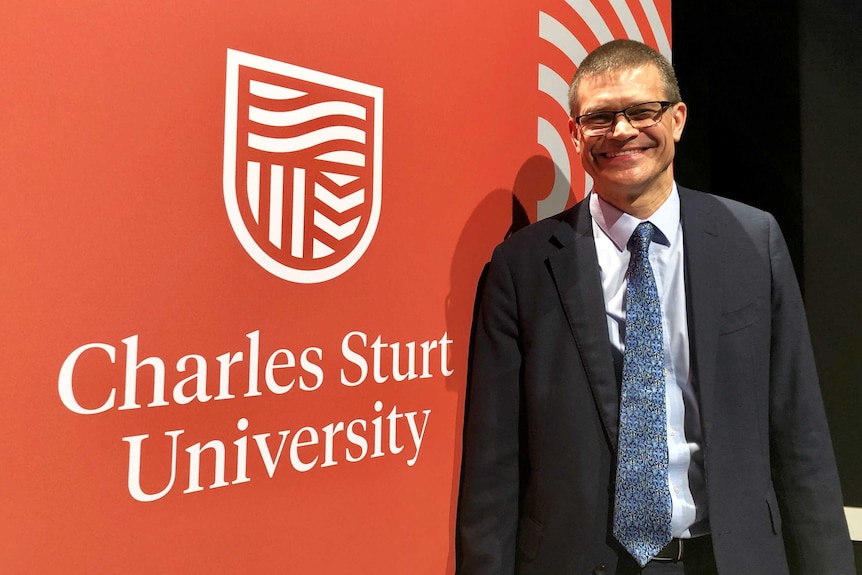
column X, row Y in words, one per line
column 642, row 509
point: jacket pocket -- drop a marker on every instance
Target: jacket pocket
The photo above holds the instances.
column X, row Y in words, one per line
column 774, row 513
column 740, row 317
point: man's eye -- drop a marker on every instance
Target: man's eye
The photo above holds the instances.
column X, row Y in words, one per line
column 598, row 119
column 641, row 113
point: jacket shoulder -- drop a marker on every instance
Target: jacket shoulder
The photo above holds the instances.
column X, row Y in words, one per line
column 555, row 230
column 716, row 208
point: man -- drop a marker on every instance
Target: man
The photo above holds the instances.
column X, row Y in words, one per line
column 643, row 397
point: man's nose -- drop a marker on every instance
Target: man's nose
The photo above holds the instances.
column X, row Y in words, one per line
column 621, row 128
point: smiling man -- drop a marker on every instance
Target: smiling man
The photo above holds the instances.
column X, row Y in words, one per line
column 632, row 167
column 643, row 397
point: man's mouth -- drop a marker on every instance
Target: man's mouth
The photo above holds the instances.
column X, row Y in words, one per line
column 620, row 153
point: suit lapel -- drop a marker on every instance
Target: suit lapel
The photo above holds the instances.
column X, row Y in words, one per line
column 576, row 273
column 575, row 269
column 703, row 269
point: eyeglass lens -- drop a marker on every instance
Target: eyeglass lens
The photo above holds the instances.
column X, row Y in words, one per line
column 639, row 116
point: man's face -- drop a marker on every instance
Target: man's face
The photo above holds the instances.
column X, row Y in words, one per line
column 628, row 165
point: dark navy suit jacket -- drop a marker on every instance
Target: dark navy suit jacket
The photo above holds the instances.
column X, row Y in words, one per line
column 543, row 403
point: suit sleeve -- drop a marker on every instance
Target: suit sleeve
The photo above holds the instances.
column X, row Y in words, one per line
column 490, row 483
column 803, row 465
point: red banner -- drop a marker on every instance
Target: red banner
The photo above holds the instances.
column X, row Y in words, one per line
column 240, row 249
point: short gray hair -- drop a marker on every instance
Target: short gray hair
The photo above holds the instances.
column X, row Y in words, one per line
column 619, row 55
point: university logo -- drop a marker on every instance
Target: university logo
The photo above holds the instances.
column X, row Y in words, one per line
column 302, row 159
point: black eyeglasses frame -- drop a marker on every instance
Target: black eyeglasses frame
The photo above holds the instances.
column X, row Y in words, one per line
column 665, row 104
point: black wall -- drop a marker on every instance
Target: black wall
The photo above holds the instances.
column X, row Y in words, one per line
column 774, row 90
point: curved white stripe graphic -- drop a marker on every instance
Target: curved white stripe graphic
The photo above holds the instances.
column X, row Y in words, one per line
column 558, row 35
column 345, row 157
column 306, row 114
column 554, row 86
column 627, row 19
column 305, row 141
column 272, row 92
column 657, row 28
column 593, row 19
column 550, row 139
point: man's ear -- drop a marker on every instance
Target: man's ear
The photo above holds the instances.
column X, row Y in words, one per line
column 576, row 134
column 680, row 113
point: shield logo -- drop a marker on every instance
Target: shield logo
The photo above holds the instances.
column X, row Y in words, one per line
column 302, row 166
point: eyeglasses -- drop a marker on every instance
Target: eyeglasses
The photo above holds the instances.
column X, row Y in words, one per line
column 640, row 116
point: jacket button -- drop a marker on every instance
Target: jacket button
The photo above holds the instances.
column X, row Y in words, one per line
column 600, row 570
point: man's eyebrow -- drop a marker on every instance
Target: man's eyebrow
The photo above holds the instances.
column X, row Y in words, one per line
column 597, row 109
column 610, row 108
column 600, row 107
column 593, row 109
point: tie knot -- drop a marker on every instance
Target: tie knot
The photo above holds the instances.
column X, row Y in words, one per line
column 642, row 236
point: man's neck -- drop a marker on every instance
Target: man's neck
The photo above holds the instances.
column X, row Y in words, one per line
column 639, row 203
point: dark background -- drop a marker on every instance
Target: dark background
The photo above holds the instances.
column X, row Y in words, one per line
column 774, row 91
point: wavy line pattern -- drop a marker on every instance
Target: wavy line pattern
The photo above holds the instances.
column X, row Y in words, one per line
column 306, row 114
column 551, row 82
column 273, row 92
column 345, row 157
column 300, row 115
column 305, row 141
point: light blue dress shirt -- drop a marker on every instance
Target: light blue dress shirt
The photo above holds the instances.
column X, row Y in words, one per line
column 611, row 232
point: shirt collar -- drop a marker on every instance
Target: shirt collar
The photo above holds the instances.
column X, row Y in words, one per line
column 619, row 226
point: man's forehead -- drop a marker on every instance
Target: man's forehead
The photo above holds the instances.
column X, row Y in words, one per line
column 618, row 88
